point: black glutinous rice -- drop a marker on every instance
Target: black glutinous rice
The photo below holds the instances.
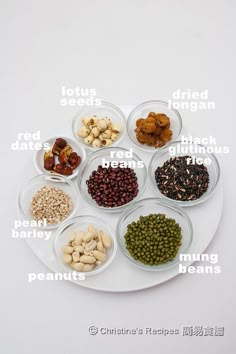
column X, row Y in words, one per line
column 179, row 179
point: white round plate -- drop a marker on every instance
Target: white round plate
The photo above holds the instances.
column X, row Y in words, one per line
column 39, row 155
column 121, row 275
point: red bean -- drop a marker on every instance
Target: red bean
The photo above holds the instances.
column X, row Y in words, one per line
column 113, row 187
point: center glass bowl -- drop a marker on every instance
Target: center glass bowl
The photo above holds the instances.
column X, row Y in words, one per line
column 142, row 111
column 146, row 207
column 175, row 149
column 36, row 183
column 105, row 109
column 96, row 159
column 81, row 223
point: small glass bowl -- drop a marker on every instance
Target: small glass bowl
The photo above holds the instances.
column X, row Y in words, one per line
column 146, row 207
column 105, row 109
column 96, row 159
column 39, row 156
column 81, row 223
column 32, row 187
column 142, row 111
column 163, row 155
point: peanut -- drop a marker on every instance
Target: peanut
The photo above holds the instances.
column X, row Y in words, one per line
column 76, row 256
column 100, row 246
column 79, row 249
column 87, row 259
column 78, row 266
column 68, row 249
column 79, row 238
column 67, row 258
column 106, row 240
column 87, row 267
column 100, row 256
column 92, row 230
column 91, row 245
column 88, row 236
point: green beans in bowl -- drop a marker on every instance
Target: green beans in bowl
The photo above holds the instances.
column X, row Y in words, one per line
column 152, row 234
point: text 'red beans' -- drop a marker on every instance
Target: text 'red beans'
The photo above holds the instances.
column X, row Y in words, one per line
column 112, row 187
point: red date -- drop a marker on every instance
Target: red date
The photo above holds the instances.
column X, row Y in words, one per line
column 63, row 169
column 64, row 154
column 61, row 143
column 49, row 161
column 74, row 160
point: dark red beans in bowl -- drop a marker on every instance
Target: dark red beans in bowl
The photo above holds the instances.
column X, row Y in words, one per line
column 112, row 179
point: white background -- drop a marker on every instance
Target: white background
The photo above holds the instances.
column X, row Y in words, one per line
column 130, row 52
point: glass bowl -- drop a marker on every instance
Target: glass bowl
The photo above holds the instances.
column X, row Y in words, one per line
column 96, row 159
column 173, row 150
column 81, row 223
column 33, row 185
column 105, row 109
column 146, row 207
column 142, row 111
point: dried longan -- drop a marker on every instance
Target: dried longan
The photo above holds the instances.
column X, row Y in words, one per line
column 150, row 120
column 153, row 130
column 142, row 137
column 152, row 114
column 166, row 135
column 151, row 140
column 149, row 128
column 139, row 122
column 163, row 120
column 158, row 130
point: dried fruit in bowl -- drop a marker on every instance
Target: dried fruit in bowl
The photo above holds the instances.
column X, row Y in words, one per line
column 61, row 159
column 154, row 130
